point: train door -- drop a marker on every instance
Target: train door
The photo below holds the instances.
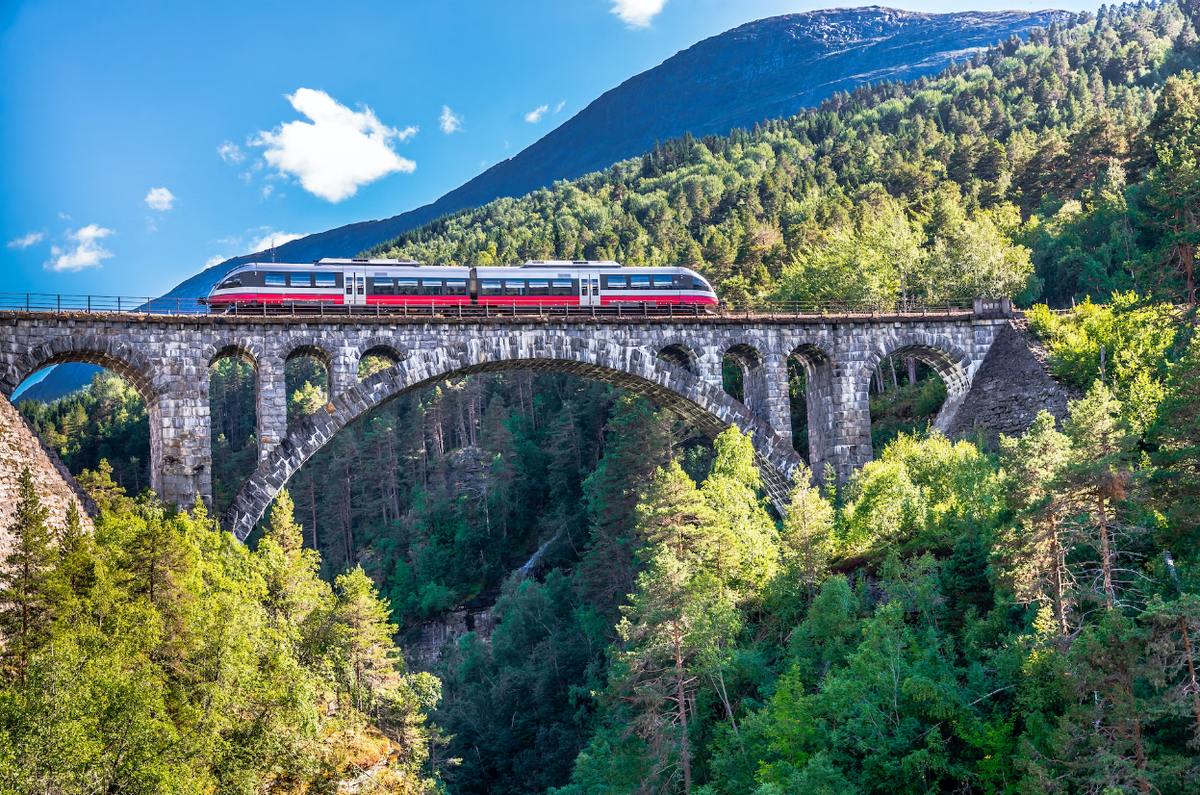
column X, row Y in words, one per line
column 589, row 288
column 356, row 288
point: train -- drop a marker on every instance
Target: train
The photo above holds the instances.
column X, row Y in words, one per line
column 393, row 284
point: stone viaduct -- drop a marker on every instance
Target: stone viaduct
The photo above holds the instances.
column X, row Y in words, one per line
column 674, row 361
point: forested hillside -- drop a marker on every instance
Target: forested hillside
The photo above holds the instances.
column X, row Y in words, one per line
column 917, row 188
column 955, row 618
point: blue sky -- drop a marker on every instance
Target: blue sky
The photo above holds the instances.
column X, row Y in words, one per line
column 141, row 140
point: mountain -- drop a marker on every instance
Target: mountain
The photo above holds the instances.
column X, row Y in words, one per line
column 762, row 70
column 59, row 381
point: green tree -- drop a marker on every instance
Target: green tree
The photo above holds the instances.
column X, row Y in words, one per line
column 1173, row 186
column 27, row 582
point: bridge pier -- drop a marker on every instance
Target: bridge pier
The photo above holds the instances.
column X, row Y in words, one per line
column 766, row 391
column 271, row 405
column 180, row 444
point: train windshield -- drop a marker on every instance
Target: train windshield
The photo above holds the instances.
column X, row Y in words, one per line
column 232, row 281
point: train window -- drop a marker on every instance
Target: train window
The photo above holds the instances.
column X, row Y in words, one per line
column 514, row 287
column 615, row 282
column 662, row 282
column 456, row 287
column 701, row 284
column 639, row 282
column 384, row 286
column 561, row 287
column 236, row 281
column 539, row 287
column 431, row 287
column 407, row 287
column 490, row 287
column 301, row 279
column 277, row 280
column 326, row 279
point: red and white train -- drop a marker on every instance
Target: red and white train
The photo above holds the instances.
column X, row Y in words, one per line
column 400, row 283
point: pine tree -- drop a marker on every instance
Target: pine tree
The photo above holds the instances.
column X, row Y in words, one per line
column 1034, row 553
column 1095, row 488
column 368, row 657
column 293, row 587
column 27, row 579
column 1173, row 187
column 805, row 538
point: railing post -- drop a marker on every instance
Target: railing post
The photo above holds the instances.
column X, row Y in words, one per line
column 118, row 304
column 59, row 297
column 89, row 305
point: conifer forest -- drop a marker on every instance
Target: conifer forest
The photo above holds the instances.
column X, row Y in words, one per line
column 964, row 615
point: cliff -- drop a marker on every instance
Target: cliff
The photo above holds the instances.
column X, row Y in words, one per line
column 20, row 447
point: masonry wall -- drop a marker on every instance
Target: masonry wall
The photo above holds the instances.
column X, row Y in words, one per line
column 20, row 447
column 1011, row 387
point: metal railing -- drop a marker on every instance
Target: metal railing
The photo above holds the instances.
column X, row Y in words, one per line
column 762, row 309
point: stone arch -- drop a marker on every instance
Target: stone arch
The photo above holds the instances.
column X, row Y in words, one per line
column 680, row 355
column 947, row 359
column 88, row 349
column 308, row 348
column 149, row 382
column 383, row 347
column 704, row 405
column 249, row 353
column 750, row 360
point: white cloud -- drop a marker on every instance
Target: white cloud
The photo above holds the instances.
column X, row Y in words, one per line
column 267, row 190
column 339, row 151
column 271, row 240
column 216, row 259
column 86, row 254
column 230, row 152
column 450, row 121
column 159, row 199
column 31, row 239
column 560, row 106
column 534, row 116
column 637, row 13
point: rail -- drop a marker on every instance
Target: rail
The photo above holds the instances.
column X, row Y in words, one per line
column 134, row 305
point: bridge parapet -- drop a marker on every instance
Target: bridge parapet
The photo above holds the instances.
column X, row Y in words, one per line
column 675, row 360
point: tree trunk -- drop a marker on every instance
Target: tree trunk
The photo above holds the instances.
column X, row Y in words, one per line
column 1139, row 750
column 1106, row 555
column 684, row 756
column 312, row 498
column 1187, row 648
column 1055, row 550
column 912, row 370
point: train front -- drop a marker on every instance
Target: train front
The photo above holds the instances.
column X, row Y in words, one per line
column 229, row 291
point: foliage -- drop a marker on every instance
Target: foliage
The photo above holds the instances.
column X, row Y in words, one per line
column 160, row 661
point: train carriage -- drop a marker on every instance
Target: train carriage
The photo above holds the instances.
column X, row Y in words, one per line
column 391, row 285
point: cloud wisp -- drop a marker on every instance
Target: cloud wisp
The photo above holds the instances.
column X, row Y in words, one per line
column 31, row 239
column 270, row 240
column 338, row 151
column 87, row 251
column 637, row 13
column 230, row 152
column 160, row 199
column 449, row 121
column 534, row 116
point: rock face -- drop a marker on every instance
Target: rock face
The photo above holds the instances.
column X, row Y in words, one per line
column 762, row 70
column 20, row 447
column 1012, row 386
